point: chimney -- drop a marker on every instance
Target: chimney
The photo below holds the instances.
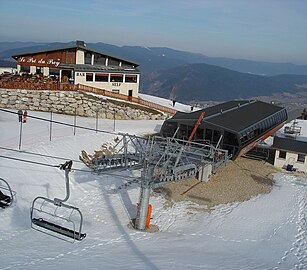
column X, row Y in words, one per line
column 80, row 43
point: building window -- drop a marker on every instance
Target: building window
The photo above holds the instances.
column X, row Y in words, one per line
column 116, row 91
column 282, row 154
column 88, row 58
column 208, row 135
column 301, row 158
column 101, row 77
column 54, row 72
column 89, row 77
column 116, row 77
column 113, row 62
column 131, row 78
column 127, row 65
column 216, row 136
column 39, row 70
column 25, row 69
column 99, row 59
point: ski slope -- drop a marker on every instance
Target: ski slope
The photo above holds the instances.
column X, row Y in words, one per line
column 168, row 103
column 266, row 232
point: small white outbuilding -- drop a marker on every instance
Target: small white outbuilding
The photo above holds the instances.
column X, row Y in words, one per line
column 291, row 147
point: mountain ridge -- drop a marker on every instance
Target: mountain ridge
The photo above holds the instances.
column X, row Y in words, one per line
column 187, row 76
column 202, row 82
column 158, row 58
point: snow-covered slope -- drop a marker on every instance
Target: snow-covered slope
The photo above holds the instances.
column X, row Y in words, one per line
column 267, row 232
column 168, row 103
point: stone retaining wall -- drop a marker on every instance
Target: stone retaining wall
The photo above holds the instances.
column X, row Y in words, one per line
column 71, row 102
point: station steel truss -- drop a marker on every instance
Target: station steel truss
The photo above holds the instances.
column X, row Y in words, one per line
column 161, row 160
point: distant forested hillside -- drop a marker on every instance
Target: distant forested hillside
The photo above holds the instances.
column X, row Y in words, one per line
column 159, row 58
column 188, row 76
column 207, row 82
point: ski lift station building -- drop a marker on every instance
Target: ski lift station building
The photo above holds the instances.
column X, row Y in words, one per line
column 236, row 126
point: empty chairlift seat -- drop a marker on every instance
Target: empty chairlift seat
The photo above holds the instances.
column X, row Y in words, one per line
column 6, row 194
column 56, row 217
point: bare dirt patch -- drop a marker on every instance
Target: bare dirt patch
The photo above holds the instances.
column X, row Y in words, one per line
column 239, row 181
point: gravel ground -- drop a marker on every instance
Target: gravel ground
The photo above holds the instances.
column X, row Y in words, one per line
column 238, row 181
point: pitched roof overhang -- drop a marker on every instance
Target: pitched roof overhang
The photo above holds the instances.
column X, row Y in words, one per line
column 16, row 56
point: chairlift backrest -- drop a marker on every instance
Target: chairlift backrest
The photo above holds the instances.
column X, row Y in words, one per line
column 6, row 194
column 45, row 216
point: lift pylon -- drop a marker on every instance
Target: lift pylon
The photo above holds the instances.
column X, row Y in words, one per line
column 162, row 160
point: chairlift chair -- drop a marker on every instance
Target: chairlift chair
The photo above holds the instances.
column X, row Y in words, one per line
column 6, row 194
column 57, row 218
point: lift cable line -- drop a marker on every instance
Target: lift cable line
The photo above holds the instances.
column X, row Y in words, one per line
column 70, row 125
column 160, row 159
column 73, row 169
column 30, row 161
column 62, row 123
column 37, row 154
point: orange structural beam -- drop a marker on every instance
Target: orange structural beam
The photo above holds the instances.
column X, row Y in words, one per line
column 195, row 127
column 148, row 216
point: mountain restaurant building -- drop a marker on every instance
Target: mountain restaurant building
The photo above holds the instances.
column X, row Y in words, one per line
column 81, row 65
column 237, row 126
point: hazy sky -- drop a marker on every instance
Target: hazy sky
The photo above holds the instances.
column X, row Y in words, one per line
column 269, row 30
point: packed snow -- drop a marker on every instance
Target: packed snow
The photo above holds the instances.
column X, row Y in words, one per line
column 266, row 232
column 169, row 103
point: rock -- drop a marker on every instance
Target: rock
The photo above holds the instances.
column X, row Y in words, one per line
column 68, row 102
column 53, row 98
column 80, row 110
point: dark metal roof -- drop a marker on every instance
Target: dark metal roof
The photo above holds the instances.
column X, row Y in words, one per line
column 289, row 144
column 98, row 68
column 234, row 115
column 210, row 110
column 73, row 47
column 244, row 116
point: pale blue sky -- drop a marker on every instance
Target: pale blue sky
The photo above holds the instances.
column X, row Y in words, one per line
column 269, row 30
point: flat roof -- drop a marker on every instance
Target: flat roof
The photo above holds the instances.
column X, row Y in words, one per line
column 235, row 115
column 244, row 116
column 210, row 111
column 290, row 144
